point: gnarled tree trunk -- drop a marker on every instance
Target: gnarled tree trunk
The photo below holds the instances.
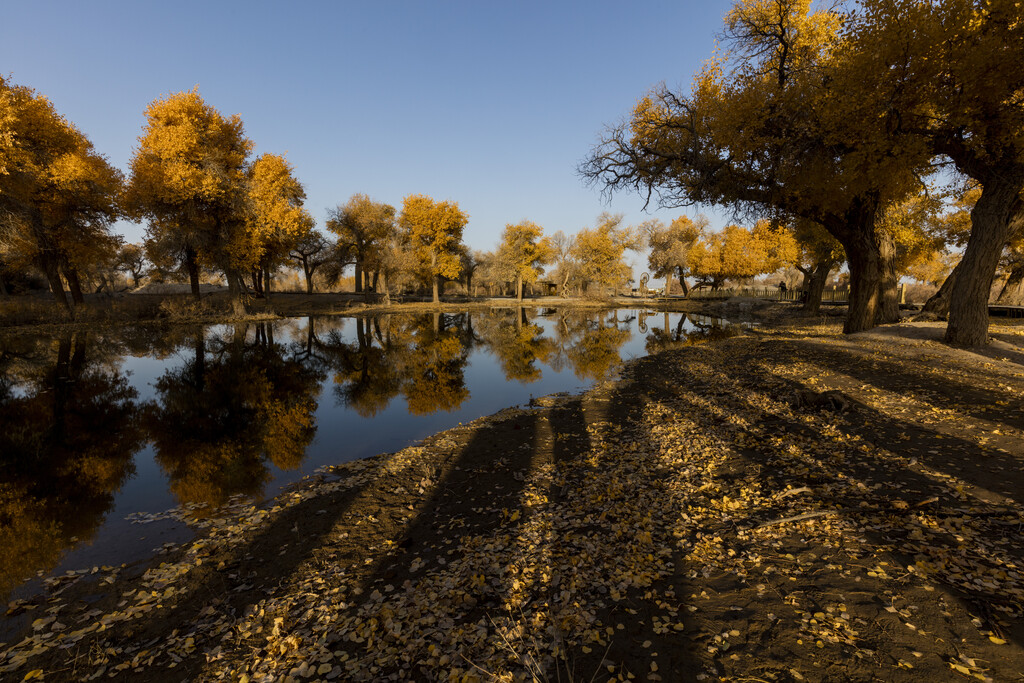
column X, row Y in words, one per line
column 235, row 293
column 888, row 285
column 814, row 284
column 990, row 230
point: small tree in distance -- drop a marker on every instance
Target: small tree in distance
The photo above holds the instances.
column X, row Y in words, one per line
column 599, row 252
column 523, row 252
column 670, row 247
column 435, row 230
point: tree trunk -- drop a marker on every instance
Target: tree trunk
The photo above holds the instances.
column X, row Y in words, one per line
column 865, row 276
column 869, row 255
column 359, row 275
column 266, row 283
column 814, row 285
column 938, row 303
column 74, row 285
column 519, row 288
column 990, row 230
column 1013, row 289
column 385, row 288
column 56, row 285
column 682, row 283
column 309, row 277
column 888, row 286
column 193, row 271
column 235, row 293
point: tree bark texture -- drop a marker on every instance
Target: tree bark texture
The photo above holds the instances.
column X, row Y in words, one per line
column 865, row 276
column 682, row 283
column 74, row 285
column 888, row 284
column 990, row 230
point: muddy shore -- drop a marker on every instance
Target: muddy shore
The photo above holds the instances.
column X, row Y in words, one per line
column 788, row 504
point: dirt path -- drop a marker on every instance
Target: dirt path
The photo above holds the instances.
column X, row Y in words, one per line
column 790, row 504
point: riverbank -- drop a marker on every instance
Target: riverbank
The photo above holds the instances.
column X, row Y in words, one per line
column 39, row 314
column 789, row 504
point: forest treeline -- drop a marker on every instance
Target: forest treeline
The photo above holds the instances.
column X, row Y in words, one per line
column 886, row 135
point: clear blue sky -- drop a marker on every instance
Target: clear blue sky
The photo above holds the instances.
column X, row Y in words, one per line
column 491, row 104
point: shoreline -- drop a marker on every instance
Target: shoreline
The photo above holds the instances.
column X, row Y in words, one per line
column 657, row 478
column 20, row 316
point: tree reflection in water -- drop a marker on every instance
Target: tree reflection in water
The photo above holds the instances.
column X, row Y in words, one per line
column 68, row 430
column 591, row 341
column 517, row 343
column 70, row 422
column 421, row 357
column 238, row 404
column 701, row 329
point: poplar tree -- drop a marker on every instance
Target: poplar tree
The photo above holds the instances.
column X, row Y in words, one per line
column 435, row 231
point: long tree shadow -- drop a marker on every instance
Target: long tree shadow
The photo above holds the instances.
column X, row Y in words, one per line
column 895, row 374
column 870, row 488
column 872, row 483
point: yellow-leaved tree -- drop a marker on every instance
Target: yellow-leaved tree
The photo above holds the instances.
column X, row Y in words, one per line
column 772, row 125
column 58, row 196
column 598, row 253
column 277, row 221
column 947, row 74
column 737, row 253
column 188, row 180
column 670, row 248
column 365, row 229
column 523, row 252
column 435, row 231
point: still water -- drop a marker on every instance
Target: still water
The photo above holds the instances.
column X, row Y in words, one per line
column 99, row 431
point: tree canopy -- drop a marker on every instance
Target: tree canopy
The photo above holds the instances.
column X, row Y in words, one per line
column 523, row 252
column 435, row 230
column 58, row 196
column 188, row 178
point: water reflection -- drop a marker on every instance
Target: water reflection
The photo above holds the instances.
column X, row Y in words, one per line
column 69, row 426
column 231, row 408
column 238, row 404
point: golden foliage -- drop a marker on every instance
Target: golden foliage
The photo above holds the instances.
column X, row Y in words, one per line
column 598, row 252
column 58, row 196
column 188, row 178
column 277, row 221
column 435, row 229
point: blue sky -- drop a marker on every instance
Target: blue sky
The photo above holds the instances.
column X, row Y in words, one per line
column 489, row 104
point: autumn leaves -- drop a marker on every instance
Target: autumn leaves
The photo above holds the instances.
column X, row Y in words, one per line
column 835, row 117
column 206, row 202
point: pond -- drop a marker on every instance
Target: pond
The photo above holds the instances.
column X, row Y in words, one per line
column 100, row 432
